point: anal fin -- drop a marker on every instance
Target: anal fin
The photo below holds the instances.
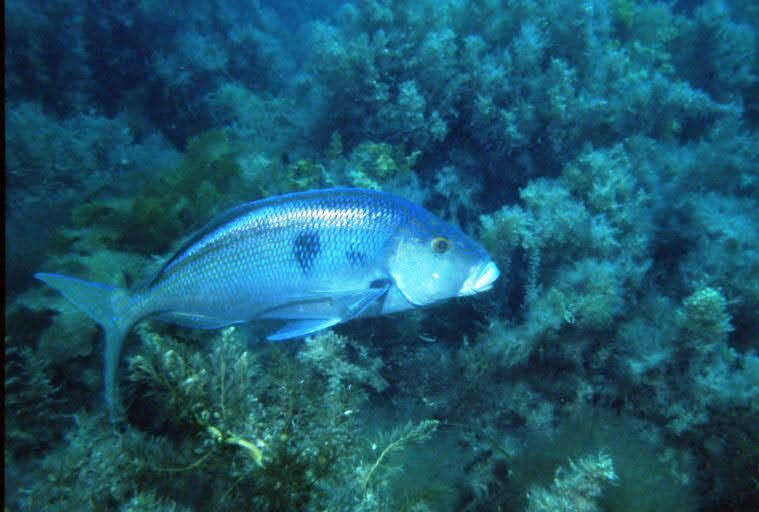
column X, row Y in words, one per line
column 194, row 320
column 321, row 311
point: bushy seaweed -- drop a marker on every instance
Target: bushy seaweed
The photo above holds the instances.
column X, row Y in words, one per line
column 604, row 152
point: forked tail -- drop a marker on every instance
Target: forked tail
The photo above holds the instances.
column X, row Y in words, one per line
column 111, row 307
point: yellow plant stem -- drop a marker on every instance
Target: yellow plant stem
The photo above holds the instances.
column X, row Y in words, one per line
column 379, row 460
column 253, row 451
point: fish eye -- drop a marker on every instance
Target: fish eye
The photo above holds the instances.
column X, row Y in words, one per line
column 440, row 244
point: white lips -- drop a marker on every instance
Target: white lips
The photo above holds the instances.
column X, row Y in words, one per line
column 480, row 279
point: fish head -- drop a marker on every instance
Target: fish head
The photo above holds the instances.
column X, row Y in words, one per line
column 434, row 260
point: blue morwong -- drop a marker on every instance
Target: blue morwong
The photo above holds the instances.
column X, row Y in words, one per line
column 313, row 259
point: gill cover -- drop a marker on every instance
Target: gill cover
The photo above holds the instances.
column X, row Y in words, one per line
column 425, row 274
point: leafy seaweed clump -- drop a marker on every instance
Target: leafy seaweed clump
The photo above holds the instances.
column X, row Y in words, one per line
column 31, row 399
column 574, row 489
column 172, row 202
column 372, row 164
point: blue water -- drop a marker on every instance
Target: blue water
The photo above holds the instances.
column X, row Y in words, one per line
column 606, row 153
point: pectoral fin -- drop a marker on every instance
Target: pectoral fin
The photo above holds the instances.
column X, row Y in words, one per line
column 322, row 311
column 357, row 304
column 301, row 328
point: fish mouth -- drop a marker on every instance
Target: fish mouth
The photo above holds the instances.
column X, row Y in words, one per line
column 481, row 279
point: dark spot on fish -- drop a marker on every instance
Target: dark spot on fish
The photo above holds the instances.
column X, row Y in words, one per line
column 379, row 283
column 306, row 248
column 356, row 257
column 128, row 279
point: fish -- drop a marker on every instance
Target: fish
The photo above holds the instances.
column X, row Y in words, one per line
column 311, row 259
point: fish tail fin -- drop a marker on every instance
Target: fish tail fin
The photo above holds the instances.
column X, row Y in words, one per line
column 111, row 307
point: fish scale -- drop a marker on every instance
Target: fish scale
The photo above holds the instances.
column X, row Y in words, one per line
column 313, row 259
column 302, row 240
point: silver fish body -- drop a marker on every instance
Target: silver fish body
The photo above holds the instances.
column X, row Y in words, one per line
column 313, row 259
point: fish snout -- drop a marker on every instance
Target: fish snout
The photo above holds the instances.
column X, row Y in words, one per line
column 481, row 279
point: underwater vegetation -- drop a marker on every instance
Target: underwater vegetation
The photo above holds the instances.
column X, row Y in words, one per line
column 606, row 154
